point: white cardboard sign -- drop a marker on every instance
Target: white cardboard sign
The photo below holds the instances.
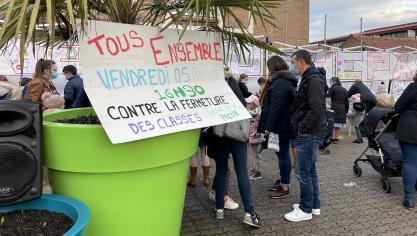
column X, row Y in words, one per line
column 143, row 83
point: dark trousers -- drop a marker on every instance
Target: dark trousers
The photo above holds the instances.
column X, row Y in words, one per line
column 409, row 152
column 239, row 152
column 284, row 159
column 307, row 148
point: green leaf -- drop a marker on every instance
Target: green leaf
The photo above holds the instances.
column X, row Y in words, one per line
column 7, row 17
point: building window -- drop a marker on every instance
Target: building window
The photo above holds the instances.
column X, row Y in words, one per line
column 402, row 34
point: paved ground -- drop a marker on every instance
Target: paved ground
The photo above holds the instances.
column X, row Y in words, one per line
column 361, row 208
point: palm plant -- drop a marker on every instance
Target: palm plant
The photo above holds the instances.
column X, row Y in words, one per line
column 53, row 21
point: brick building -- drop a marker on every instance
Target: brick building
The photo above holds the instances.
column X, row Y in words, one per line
column 403, row 35
column 297, row 15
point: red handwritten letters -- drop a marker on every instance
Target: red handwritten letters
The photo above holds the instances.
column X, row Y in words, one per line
column 162, row 52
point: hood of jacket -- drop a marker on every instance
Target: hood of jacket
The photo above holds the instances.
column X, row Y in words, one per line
column 287, row 75
column 312, row 71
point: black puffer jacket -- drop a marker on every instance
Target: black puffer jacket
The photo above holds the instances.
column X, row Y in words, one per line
column 367, row 97
column 244, row 89
column 407, row 107
column 310, row 104
column 340, row 102
column 234, row 85
column 278, row 103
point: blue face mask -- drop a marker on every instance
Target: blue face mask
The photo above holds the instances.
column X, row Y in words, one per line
column 293, row 69
column 54, row 74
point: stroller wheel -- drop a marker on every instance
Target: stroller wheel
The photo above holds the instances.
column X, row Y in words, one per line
column 357, row 171
column 386, row 185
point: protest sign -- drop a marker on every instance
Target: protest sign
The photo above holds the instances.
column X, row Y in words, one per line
column 63, row 55
column 144, row 83
column 371, row 66
column 250, row 62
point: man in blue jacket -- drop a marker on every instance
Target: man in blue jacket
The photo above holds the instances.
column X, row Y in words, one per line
column 309, row 120
column 74, row 87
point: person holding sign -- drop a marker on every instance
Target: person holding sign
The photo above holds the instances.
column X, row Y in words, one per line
column 220, row 148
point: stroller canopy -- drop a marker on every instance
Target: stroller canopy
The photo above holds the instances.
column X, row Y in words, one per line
column 371, row 120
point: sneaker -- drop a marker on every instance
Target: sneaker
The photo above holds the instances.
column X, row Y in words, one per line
column 358, row 141
column 212, row 195
column 280, row 193
column 228, row 201
column 230, row 204
column 276, row 185
column 335, row 141
column 252, row 220
column 315, row 212
column 325, row 152
column 255, row 175
column 252, row 171
column 219, row 214
column 298, row 215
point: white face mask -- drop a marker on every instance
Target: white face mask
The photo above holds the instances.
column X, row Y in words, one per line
column 245, row 81
column 293, row 69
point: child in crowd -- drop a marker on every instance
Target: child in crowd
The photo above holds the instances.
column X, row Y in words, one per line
column 356, row 114
column 52, row 101
column 205, row 164
column 254, row 137
column 261, row 82
column 243, row 80
column 385, row 100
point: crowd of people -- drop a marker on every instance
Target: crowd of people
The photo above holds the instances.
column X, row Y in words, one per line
column 295, row 102
column 40, row 88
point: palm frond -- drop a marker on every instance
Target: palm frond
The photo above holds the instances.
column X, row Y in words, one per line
column 53, row 21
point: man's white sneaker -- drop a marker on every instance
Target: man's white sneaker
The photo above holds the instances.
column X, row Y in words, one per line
column 315, row 212
column 230, row 204
column 220, row 214
column 298, row 215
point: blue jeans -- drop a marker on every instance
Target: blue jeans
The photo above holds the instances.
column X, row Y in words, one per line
column 307, row 147
column 409, row 152
column 239, row 152
column 284, row 159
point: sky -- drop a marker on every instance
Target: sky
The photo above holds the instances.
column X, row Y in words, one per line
column 343, row 17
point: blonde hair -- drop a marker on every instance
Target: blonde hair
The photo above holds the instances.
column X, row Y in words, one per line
column 385, row 100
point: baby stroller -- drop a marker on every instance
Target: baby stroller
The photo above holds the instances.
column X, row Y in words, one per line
column 379, row 126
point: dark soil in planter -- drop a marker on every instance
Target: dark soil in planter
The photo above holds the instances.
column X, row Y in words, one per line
column 86, row 120
column 34, row 222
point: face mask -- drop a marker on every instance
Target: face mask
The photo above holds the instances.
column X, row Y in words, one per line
column 244, row 81
column 54, row 74
column 293, row 69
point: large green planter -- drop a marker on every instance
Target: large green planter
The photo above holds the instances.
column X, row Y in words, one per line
column 135, row 188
